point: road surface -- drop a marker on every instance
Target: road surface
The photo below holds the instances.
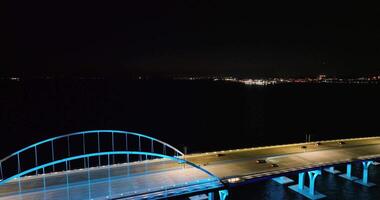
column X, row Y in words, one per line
column 152, row 176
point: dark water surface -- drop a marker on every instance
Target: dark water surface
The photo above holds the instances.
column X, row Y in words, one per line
column 330, row 185
column 202, row 115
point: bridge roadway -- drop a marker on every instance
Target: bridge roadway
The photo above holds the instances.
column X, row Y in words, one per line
column 149, row 176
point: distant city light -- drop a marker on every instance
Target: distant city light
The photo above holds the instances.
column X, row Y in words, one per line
column 273, row 81
column 14, row 78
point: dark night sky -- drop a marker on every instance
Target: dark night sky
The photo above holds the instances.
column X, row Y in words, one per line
column 191, row 38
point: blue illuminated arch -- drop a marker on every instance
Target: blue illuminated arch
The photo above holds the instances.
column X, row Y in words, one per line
column 89, row 132
column 107, row 154
column 178, row 155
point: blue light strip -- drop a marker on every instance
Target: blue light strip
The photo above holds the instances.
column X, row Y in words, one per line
column 108, row 154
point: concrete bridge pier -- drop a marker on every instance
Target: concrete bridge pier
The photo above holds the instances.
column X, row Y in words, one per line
column 222, row 195
column 308, row 192
column 211, row 196
column 364, row 180
column 348, row 175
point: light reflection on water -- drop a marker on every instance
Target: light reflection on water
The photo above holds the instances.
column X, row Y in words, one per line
column 330, row 185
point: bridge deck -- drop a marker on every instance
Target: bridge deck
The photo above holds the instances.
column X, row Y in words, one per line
column 126, row 180
column 151, row 175
column 242, row 162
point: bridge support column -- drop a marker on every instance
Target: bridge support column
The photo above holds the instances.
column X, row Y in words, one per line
column 211, row 196
column 348, row 173
column 301, row 179
column 312, row 176
column 364, row 180
column 308, row 192
column 331, row 170
column 223, row 194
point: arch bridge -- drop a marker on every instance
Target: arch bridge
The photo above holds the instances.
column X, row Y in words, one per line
column 108, row 164
column 103, row 164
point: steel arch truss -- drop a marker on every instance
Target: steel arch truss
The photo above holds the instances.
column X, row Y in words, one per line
column 156, row 148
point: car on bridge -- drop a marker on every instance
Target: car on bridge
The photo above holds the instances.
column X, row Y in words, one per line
column 260, row 161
